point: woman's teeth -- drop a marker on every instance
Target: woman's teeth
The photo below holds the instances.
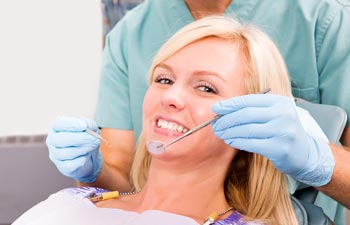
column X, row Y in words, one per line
column 171, row 126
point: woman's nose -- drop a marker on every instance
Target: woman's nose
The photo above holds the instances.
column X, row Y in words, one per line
column 174, row 98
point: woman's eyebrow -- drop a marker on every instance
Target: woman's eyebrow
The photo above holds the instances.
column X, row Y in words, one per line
column 164, row 66
column 196, row 72
column 208, row 73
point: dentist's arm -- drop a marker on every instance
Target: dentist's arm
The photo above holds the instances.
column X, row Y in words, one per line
column 339, row 186
column 117, row 160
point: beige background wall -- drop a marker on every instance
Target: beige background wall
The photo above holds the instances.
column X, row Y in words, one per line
column 50, row 54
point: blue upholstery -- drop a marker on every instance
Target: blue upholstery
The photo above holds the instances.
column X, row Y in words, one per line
column 332, row 119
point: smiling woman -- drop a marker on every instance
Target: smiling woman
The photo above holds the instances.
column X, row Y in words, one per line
column 207, row 61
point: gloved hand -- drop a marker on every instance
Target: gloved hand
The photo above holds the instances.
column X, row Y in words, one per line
column 74, row 152
column 268, row 124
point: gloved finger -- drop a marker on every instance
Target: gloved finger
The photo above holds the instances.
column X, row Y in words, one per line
column 91, row 124
column 73, row 124
column 76, row 168
column 276, row 128
column 246, row 131
column 252, row 100
column 265, row 147
column 280, row 155
column 244, row 116
column 70, row 153
column 71, row 139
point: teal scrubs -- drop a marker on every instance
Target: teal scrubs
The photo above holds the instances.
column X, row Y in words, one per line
column 312, row 35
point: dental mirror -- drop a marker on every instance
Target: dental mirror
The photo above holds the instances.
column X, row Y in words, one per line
column 157, row 147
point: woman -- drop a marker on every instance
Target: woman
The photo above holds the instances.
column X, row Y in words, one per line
column 207, row 61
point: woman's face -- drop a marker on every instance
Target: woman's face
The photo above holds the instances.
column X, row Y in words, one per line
column 182, row 92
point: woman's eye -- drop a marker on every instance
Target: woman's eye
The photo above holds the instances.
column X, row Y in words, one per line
column 163, row 79
column 206, row 87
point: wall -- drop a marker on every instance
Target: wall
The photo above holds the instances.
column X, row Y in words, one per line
column 50, row 54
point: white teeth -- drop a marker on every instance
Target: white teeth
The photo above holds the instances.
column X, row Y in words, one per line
column 179, row 129
column 171, row 126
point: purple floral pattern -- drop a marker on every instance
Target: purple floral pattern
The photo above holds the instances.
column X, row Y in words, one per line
column 84, row 192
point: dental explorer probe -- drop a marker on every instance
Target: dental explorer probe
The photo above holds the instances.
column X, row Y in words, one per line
column 157, row 147
column 96, row 135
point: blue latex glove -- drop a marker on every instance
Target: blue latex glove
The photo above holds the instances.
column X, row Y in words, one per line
column 74, row 152
column 268, row 124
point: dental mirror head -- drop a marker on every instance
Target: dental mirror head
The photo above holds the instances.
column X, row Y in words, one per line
column 155, row 147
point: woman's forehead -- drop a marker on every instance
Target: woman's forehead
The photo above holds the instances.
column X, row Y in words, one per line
column 209, row 54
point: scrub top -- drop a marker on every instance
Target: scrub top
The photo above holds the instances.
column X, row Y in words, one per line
column 313, row 37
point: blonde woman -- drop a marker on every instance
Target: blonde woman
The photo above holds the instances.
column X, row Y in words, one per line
column 212, row 59
column 245, row 61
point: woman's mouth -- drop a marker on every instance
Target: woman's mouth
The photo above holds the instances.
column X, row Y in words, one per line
column 171, row 126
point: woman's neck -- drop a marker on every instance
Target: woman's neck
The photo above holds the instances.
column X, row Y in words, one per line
column 193, row 192
column 187, row 185
column 202, row 8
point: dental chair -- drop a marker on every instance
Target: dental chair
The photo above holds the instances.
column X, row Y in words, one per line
column 27, row 176
column 332, row 120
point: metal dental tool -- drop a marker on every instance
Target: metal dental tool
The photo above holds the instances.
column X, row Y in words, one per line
column 96, row 135
column 157, row 147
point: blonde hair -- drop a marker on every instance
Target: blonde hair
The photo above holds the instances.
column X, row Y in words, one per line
column 253, row 186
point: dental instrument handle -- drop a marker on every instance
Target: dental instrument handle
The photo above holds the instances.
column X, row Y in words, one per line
column 193, row 130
